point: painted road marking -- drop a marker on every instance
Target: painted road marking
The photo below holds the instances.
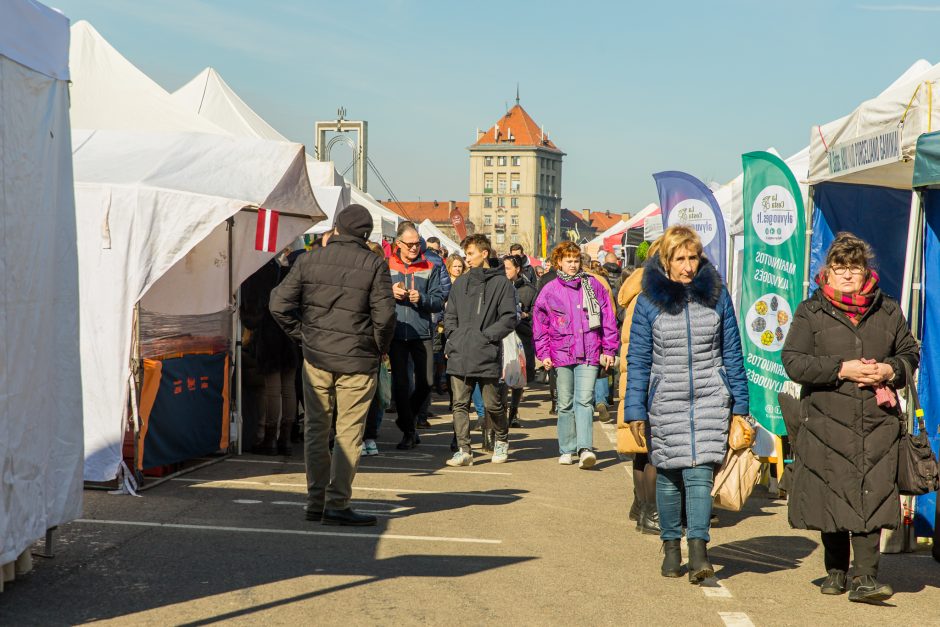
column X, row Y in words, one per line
column 209, row 482
column 611, row 432
column 396, row 457
column 423, row 444
column 293, row 532
column 715, row 590
column 736, row 619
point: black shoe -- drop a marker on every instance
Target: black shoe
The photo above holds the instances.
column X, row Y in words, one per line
column 284, row 449
column 489, row 440
column 672, row 560
column 553, row 410
column 834, row 583
column 700, row 568
column 347, row 518
column 423, row 423
column 648, row 522
column 602, row 414
column 316, row 515
column 866, row 589
column 453, row 445
column 515, row 424
column 408, row 442
column 635, row 510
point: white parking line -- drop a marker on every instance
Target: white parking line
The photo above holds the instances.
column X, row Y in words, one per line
column 209, row 482
column 716, row 591
column 450, row 470
column 294, row 532
column 736, row 619
column 422, row 445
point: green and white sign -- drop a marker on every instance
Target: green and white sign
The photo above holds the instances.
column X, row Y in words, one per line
column 772, row 285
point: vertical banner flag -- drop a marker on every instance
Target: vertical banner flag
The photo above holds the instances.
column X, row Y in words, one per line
column 456, row 220
column 686, row 200
column 266, row 231
column 772, row 281
column 544, row 234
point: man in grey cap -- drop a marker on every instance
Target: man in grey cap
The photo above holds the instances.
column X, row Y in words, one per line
column 337, row 301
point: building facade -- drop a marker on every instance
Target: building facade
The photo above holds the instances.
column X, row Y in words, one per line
column 515, row 182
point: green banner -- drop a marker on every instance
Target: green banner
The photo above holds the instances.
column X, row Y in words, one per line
column 772, row 285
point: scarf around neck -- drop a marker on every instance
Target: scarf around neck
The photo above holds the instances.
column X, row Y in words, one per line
column 854, row 306
column 588, row 298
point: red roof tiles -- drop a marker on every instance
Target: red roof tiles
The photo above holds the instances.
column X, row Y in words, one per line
column 436, row 211
column 520, row 127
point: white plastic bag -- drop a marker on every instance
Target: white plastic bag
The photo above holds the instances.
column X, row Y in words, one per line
column 513, row 361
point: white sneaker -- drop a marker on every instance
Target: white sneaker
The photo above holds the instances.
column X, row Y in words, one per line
column 500, row 453
column 461, row 458
column 369, row 447
column 587, row 459
column 566, row 459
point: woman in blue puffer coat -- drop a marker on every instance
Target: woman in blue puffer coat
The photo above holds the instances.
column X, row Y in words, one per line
column 685, row 379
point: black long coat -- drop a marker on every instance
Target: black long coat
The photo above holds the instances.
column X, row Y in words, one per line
column 846, row 445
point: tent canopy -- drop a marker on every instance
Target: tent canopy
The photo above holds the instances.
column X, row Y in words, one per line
column 876, row 143
column 927, row 160
column 623, row 226
column 428, row 229
column 40, row 383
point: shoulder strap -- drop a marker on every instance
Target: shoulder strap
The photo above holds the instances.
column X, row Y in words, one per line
column 914, row 407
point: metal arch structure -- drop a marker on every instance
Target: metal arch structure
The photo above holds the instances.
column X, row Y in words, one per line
column 360, row 146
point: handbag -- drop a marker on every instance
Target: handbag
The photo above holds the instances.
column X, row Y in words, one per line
column 627, row 442
column 918, row 472
column 735, row 480
column 513, row 361
column 384, row 390
column 741, row 433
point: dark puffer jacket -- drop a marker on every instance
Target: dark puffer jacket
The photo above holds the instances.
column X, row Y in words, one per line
column 846, row 447
column 480, row 312
column 273, row 349
column 337, row 301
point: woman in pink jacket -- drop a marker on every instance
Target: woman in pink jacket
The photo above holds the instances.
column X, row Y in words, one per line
column 575, row 332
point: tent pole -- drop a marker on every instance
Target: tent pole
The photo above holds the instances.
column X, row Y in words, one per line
column 238, row 369
column 808, row 210
column 912, row 239
column 917, row 269
column 138, row 379
column 235, row 342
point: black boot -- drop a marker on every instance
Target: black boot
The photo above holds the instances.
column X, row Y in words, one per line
column 408, row 441
column 635, row 509
column 672, row 560
column 514, row 418
column 648, row 522
column 489, row 440
column 699, row 566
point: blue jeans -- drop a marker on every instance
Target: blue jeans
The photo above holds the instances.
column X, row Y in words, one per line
column 477, row 398
column 575, row 410
column 698, row 501
column 601, row 391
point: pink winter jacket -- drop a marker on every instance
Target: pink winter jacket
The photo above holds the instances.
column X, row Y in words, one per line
column 560, row 325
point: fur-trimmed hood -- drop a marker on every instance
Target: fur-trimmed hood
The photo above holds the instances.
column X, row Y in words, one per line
column 670, row 296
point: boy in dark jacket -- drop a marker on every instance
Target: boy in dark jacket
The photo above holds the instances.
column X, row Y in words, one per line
column 481, row 312
column 416, row 286
column 337, row 301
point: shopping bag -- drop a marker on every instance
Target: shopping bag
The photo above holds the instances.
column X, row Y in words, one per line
column 513, row 361
column 385, row 385
column 736, row 479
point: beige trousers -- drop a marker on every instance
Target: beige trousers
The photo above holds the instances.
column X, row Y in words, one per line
column 330, row 476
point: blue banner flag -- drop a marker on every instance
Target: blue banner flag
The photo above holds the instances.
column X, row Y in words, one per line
column 686, row 200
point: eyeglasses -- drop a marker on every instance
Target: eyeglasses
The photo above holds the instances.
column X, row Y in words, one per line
column 844, row 270
column 410, row 244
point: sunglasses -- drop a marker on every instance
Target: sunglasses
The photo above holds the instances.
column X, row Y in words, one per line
column 410, row 244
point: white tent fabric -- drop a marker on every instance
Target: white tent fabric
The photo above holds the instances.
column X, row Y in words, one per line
column 913, row 98
column 637, row 220
column 428, row 229
column 40, row 379
column 211, row 98
column 154, row 186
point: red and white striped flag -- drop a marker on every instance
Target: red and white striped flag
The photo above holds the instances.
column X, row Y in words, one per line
column 266, row 233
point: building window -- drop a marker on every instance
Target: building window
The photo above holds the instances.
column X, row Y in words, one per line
column 514, row 238
column 514, row 219
column 488, row 183
column 500, row 202
column 500, row 219
column 487, row 220
column 488, row 161
column 501, row 183
column 514, row 183
column 514, row 202
column 487, row 202
column 500, row 160
column 500, row 238
column 517, row 160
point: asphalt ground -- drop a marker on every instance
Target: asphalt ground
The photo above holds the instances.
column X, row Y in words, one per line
column 528, row 542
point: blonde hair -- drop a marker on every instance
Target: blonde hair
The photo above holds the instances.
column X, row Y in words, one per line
column 674, row 238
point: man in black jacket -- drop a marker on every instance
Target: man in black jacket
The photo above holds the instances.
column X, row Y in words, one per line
column 337, row 300
column 480, row 312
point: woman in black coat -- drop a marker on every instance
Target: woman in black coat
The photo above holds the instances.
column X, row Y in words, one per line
column 525, row 297
column 849, row 347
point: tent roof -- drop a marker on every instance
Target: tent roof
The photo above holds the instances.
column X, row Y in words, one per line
column 651, row 209
column 36, row 36
column 927, row 160
column 428, row 229
column 909, row 98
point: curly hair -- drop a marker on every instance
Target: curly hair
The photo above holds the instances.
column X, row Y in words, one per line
column 565, row 249
column 847, row 249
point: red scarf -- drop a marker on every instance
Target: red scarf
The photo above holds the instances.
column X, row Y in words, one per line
column 853, row 306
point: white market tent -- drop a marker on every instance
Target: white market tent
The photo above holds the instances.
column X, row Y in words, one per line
column 637, row 220
column 156, row 186
column 428, row 229
column 209, row 96
column 40, row 380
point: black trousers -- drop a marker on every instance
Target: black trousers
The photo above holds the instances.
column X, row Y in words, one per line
column 492, row 399
column 865, row 546
column 409, row 403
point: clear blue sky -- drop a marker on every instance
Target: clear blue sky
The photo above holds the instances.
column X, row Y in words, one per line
column 624, row 90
